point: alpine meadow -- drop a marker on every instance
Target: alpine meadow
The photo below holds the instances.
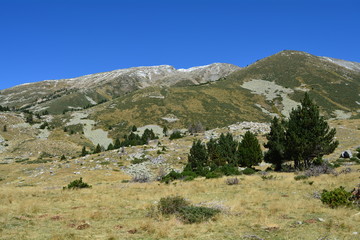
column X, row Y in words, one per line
column 266, row 151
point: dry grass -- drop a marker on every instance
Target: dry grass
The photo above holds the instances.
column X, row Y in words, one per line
column 113, row 210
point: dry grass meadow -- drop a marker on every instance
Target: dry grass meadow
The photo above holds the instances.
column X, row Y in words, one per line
column 279, row 208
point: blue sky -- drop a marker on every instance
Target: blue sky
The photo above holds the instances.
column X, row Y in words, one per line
column 54, row 39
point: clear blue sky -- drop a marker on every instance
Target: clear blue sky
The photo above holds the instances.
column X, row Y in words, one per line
column 54, row 39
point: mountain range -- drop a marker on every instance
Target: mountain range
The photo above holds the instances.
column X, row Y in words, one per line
column 216, row 95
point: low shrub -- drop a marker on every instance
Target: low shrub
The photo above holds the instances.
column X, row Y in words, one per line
column 232, row 181
column 194, row 214
column 300, row 177
column 77, row 184
column 139, row 160
column 175, row 135
column 171, row 176
column 229, row 170
column 335, row 198
column 172, row 204
column 315, row 171
column 213, row 175
column 189, row 178
column 249, row 171
column 270, row 177
column 141, row 178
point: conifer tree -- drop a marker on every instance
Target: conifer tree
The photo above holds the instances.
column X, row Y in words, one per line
column 249, row 151
column 83, row 152
column 198, row 158
column 110, row 147
column 276, row 144
column 308, row 136
column 117, row 144
column 97, row 149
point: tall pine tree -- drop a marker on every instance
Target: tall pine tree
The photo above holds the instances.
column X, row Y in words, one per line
column 249, row 150
column 308, row 135
column 276, row 144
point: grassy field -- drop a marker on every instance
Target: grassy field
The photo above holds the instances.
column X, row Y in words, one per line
column 281, row 208
column 33, row 204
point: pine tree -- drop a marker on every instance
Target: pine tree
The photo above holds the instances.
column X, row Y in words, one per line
column 110, row 147
column 134, row 128
column 276, row 144
column 308, row 136
column 5, row 128
column 117, row 144
column 83, row 152
column 249, row 151
column 198, row 158
column 97, row 149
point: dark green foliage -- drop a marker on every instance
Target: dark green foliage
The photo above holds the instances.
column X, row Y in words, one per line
column 134, row 139
column 29, row 118
column 308, row 135
column 171, row 176
column 83, row 152
column 97, row 149
column 44, row 125
column 214, row 174
column 63, row 157
column 77, row 184
column 300, row 177
column 4, row 109
column 305, row 136
column 65, row 129
column 139, row 160
column 5, row 128
column 188, row 214
column 335, row 198
column 358, row 153
column 134, row 128
column 175, row 135
column 249, row 171
column 148, row 135
column 224, row 151
column 110, row 147
column 275, row 144
column 249, row 151
column 195, row 214
column 229, row 170
column 117, row 144
column 172, row 205
column 198, row 158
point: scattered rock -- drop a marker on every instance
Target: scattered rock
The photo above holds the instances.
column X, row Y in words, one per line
column 346, row 154
column 83, row 226
column 132, row 231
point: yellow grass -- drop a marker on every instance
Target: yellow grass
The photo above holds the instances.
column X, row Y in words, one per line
column 113, row 210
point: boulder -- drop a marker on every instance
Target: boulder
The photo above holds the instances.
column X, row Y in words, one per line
column 346, row 154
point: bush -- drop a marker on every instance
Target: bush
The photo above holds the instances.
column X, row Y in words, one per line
column 315, row 171
column 171, row 176
column 194, row 214
column 141, row 178
column 300, row 177
column 213, row 175
column 175, row 135
column 229, row 170
column 335, row 198
column 171, row 205
column 77, row 184
column 232, row 181
column 249, row 171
